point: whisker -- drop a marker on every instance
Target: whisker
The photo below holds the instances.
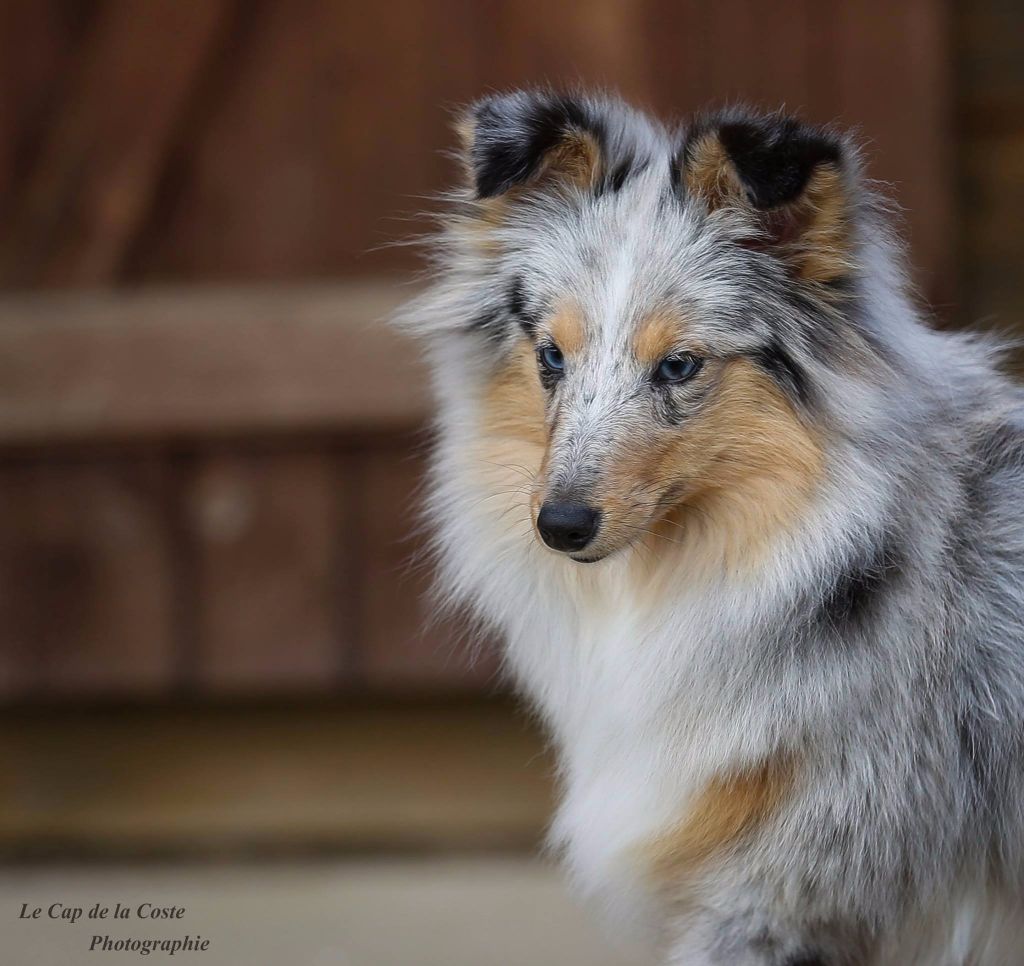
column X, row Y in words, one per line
column 514, row 467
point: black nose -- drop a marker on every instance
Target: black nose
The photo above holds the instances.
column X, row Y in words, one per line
column 567, row 526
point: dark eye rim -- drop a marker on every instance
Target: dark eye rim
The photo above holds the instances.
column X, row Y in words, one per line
column 543, row 357
column 691, row 363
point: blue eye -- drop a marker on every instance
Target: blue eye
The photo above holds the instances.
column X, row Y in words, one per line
column 678, row 368
column 551, row 358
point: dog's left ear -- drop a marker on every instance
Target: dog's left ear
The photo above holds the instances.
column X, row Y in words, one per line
column 790, row 180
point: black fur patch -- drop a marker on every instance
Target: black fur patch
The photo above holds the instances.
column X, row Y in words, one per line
column 856, row 591
column 1000, row 453
column 1003, row 448
column 780, row 365
column 515, row 132
column 805, row 960
column 516, row 298
column 491, row 324
column 774, row 156
column 668, row 406
column 619, row 175
column 675, row 173
column 677, row 403
column 496, row 323
column 517, row 308
column 976, row 748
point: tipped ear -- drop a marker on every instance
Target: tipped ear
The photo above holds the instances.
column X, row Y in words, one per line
column 791, row 180
column 513, row 140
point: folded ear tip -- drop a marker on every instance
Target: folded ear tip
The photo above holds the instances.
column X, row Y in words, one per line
column 787, row 135
column 500, row 109
column 495, row 106
column 774, row 155
column 508, row 136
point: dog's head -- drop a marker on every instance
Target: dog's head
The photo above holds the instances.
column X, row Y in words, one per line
column 648, row 310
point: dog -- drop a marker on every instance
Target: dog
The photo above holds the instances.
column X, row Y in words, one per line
column 749, row 528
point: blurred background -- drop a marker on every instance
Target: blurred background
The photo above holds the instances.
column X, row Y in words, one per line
column 219, row 685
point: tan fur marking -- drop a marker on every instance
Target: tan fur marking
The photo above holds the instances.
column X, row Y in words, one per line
column 488, row 213
column 514, row 403
column 568, row 329
column 750, row 430
column 744, row 469
column 466, row 133
column 656, row 337
column 728, row 809
column 764, row 474
column 822, row 251
column 510, row 449
column 709, row 174
column 577, row 157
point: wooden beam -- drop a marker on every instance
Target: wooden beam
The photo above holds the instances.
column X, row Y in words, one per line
column 180, row 780
column 205, row 362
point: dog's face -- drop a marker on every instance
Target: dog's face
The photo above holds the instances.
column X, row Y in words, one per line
column 650, row 307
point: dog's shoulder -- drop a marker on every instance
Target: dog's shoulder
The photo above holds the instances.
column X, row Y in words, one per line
column 999, row 452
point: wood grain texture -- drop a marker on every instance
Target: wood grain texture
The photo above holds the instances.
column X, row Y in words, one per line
column 86, row 578
column 298, row 140
column 991, row 108
column 403, row 643
column 212, row 362
column 90, row 186
column 276, row 141
column 901, row 54
column 38, row 47
column 265, row 530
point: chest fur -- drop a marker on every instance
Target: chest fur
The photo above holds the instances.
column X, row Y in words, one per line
column 661, row 762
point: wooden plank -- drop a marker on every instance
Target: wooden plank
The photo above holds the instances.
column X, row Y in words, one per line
column 85, row 578
column 597, row 44
column 736, row 50
column 992, row 113
column 731, row 51
column 824, row 66
column 384, row 154
column 204, row 361
column 681, row 69
column 784, row 77
column 38, row 40
column 265, row 529
column 92, row 184
column 262, row 217
column 403, row 644
column 299, row 167
column 896, row 86
column 460, row 69
column 402, row 776
column 994, row 293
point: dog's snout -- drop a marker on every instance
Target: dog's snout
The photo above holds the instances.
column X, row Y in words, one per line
column 567, row 526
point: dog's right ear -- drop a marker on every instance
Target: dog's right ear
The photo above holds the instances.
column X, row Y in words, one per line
column 515, row 141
